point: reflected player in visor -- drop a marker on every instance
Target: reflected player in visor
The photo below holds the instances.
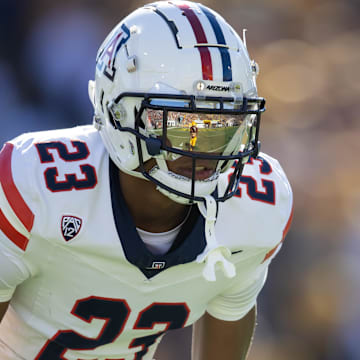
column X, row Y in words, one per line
column 193, row 135
column 114, row 233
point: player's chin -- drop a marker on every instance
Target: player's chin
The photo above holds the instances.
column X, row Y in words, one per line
column 202, row 171
column 204, row 174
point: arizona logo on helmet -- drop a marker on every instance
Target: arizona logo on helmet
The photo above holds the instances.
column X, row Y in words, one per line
column 107, row 54
column 70, row 226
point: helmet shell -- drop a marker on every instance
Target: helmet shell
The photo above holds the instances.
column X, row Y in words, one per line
column 166, row 47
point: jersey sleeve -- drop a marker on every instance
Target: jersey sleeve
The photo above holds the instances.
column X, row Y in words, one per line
column 240, row 297
column 16, row 222
column 236, row 301
column 13, row 272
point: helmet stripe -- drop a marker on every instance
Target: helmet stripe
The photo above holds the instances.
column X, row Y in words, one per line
column 224, row 52
column 200, row 36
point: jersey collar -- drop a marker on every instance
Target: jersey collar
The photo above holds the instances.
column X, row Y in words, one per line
column 189, row 243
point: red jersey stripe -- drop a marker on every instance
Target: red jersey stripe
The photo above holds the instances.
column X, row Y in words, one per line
column 200, row 36
column 285, row 231
column 12, row 194
column 18, row 239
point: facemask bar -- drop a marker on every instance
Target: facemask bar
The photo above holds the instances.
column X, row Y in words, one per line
column 156, row 145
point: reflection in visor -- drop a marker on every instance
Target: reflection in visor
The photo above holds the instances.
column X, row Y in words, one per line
column 196, row 132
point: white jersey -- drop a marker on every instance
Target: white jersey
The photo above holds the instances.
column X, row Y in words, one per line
column 83, row 285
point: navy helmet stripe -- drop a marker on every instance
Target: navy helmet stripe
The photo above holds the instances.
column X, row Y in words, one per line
column 224, row 52
column 225, row 58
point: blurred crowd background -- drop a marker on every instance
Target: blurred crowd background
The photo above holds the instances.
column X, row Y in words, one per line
column 309, row 56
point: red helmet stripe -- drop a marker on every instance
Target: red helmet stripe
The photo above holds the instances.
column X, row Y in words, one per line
column 11, row 192
column 201, row 39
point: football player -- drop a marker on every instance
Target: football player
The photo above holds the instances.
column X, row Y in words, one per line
column 193, row 135
column 114, row 233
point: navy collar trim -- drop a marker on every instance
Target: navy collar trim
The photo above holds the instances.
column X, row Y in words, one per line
column 189, row 243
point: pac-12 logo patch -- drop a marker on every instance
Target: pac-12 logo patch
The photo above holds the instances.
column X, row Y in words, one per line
column 70, row 226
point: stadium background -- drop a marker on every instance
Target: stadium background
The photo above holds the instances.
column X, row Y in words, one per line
column 309, row 56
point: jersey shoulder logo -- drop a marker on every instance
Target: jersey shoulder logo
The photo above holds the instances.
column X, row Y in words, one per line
column 70, row 226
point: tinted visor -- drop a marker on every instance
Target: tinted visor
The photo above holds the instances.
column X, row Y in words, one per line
column 196, row 132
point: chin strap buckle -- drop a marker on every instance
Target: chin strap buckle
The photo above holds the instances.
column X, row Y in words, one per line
column 213, row 253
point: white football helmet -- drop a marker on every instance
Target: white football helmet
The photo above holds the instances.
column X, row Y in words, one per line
column 174, row 83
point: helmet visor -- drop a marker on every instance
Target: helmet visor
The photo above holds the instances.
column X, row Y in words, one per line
column 204, row 133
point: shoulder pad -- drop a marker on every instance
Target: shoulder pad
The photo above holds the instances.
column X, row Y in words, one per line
column 260, row 212
column 22, row 176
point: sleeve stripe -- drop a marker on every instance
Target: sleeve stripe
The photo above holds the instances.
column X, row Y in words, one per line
column 13, row 235
column 11, row 192
column 285, row 231
column 288, row 224
column 10, row 215
column 271, row 252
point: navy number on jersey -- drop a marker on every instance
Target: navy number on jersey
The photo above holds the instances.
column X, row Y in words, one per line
column 173, row 315
column 115, row 312
column 71, row 181
column 252, row 187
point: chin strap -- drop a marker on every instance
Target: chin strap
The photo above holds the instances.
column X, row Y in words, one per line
column 213, row 253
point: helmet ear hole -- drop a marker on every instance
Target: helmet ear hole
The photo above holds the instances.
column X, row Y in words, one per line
column 102, row 100
column 112, row 120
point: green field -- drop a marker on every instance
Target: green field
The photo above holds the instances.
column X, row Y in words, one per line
column 208, row 140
